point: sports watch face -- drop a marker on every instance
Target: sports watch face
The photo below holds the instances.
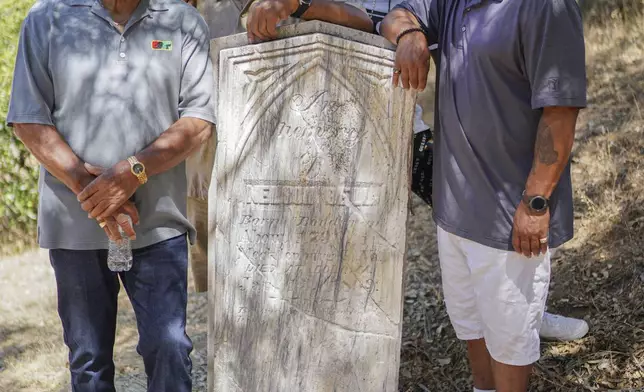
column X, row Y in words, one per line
column 538, row 203
column 137, row 169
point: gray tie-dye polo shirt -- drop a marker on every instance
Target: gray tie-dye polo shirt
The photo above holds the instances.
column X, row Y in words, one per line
column 501, row 62
column 110, row 95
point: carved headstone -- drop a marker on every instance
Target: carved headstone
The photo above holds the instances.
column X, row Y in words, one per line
column 308, row 206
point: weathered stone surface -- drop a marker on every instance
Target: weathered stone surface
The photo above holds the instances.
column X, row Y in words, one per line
column 223, row 20
column 308, row 206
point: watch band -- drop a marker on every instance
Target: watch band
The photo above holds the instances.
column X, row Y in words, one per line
column 140, row 175
column 304, row 6
column 409, row 31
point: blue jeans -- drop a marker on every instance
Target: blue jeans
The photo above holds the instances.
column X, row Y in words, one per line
column 87, row 304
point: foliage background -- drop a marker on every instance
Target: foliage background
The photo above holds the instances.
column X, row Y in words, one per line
column 19, row 172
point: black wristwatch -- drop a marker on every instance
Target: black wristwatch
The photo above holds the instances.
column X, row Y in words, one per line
column 304, row 6
column 536, row 204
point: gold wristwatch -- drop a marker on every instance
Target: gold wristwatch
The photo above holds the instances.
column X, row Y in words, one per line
column 138, row 169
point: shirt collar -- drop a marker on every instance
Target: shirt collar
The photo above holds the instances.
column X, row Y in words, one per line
column 145, row 9
column 152, row 5
column 88, row 3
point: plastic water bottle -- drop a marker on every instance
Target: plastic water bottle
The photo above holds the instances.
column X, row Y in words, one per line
column 119, row 255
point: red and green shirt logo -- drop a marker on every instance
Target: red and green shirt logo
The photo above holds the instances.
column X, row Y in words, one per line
column 161, row 45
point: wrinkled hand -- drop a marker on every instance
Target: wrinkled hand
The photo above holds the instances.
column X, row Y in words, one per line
column 412, row 60
column 121, row 219
column 264, row 15
column 109, row 191
column 528, row 230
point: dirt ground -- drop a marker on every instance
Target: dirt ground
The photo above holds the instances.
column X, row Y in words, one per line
column 598, row 276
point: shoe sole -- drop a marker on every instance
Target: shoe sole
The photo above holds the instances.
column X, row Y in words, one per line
column 578, row 336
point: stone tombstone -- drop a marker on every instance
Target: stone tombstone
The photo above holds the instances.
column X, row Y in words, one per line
column 308, row 207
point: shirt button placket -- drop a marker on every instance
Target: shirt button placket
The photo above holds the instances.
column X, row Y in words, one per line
column 122, row 54
column 463, row 38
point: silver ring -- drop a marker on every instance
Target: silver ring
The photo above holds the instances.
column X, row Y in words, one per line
column 397, row 71
column 544, row 240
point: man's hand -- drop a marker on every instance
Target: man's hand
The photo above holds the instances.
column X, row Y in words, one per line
column 120, row 218
column 112, row 223
column 401, row 28
column 528, row 231
column 264, row 15
column 412, row 62
column 109, row 191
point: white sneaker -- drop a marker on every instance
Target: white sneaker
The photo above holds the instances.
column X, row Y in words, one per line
column 555, row 327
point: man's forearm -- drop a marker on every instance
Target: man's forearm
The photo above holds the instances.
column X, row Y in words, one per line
column 175, row 145
column 396, row 22
column 113, row 187
column 49, row 148
column 552, row 149
column 340, row 14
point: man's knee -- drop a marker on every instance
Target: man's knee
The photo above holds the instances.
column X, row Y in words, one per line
column 166, row 354
column 89, row 357
column 170, row 343
column 514, row 348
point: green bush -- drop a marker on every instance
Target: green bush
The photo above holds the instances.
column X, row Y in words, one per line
column 18, row 170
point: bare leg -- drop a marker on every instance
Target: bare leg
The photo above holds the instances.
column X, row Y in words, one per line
column 481, row 364
column 510, row 378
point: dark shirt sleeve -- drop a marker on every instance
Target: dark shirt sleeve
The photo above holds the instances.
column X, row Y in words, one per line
column 552, row 38
column 197, row 81
column 32, row 90
column 426, row 11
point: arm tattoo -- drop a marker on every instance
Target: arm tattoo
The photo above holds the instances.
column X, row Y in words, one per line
column 545, row 146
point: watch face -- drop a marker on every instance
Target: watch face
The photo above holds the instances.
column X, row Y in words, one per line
column 538, row 203
column 137, row 168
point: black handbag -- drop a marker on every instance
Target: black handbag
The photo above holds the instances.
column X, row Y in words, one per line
column 421, row 172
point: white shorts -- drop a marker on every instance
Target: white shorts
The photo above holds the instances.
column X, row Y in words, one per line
column 496, row 295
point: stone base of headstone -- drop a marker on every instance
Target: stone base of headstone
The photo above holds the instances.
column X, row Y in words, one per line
column 308, row 209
